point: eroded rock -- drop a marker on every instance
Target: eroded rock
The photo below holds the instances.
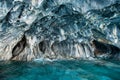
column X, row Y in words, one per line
column 59, row 29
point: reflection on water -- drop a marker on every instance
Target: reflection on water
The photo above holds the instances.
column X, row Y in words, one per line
column 60, row 70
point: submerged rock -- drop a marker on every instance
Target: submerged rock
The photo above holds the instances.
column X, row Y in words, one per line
column 59, row 29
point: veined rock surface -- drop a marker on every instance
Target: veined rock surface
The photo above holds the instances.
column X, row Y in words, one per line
column 59, row 29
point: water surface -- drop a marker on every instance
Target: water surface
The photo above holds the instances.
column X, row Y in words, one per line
column 60, row 70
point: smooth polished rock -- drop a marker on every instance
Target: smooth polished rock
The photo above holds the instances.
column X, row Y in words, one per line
column 59, row 29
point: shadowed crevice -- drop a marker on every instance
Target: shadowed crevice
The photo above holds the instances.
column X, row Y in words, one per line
column 19, row 47
column 42, row 46
column 105, row 49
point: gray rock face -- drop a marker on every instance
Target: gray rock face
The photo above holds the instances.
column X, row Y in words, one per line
column 59, row 29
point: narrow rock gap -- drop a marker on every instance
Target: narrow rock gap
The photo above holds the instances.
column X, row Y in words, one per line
column 19, row 47
column 42, row 46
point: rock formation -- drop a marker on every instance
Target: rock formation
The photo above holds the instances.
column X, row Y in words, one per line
column 59, row 29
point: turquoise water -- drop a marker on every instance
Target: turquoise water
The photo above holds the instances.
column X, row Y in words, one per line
column 60, row 70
